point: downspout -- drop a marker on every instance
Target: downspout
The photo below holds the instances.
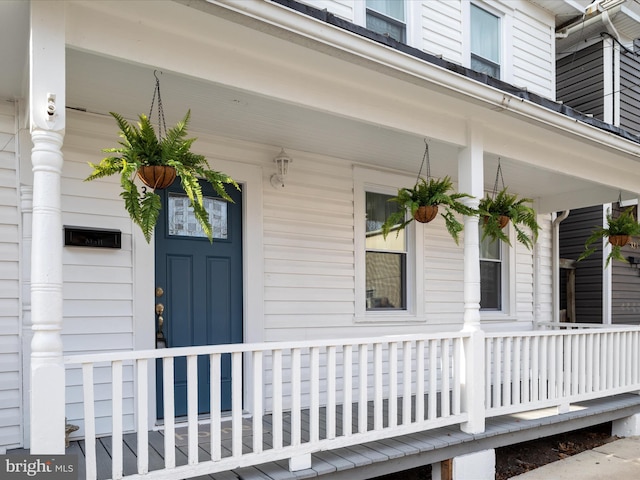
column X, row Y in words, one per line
column 555, row 261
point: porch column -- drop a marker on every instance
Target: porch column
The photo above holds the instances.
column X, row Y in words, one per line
column 471, row 181
column 47, row 115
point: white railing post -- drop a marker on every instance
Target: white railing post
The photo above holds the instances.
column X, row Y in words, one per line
column 47, row 105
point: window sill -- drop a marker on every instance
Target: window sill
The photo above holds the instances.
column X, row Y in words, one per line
column 388, row 318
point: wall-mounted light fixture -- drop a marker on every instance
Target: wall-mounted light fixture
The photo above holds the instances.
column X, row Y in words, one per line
column 282, row 161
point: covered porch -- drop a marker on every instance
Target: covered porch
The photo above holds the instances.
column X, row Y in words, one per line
column 452, row 373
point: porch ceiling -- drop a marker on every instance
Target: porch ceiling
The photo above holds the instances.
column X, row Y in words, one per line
column 99, row 84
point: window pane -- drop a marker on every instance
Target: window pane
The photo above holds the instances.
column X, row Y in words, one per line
column 485, row 36
column 378, row 209
column 489, row 249
column 182, row 220
column 483, row 66
column 385, row 281
column 391, row 8
column 490, row 285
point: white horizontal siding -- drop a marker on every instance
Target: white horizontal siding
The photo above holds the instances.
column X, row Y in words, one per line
column 97, row 283
column 442, row 29
column 10, row 367
column 533, row 52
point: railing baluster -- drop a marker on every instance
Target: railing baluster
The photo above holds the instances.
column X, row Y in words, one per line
column 516, row 365
column 347, row 393
column 420, row 372
column 432, row 411
column 393, row 384
column 295, row 396
column 457, row 366
column 277, row 400
column 507, row 365
column 445, row 400
column 192, row 409
column 406, row 381
column 314, row 413
column 116, row 419
column 574, row 368
column 236, row 403
column 169, row 413
column 257, row 402
column 497, row 369
column 363, row 371
column 215, row 388
column 377, row 386
column 331, row 392
column 89, row 421
column 142, row 395
column 589, row 352
column 539, row 368
column 525, row 390
column 610, row 360
column 488, row 347
column 582, row 363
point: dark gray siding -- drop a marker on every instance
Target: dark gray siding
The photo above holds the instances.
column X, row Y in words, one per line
column 574, row 231
column 579, row 80
column 630, row 93
column 625, row 287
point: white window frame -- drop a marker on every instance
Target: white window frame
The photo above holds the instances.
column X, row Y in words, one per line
column 504, row 12
column 412, row 18
column 369, row 180
column 508, row 281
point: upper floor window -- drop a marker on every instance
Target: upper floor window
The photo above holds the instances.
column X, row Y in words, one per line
column 387, row 17
column 485, row 42
column 491, row 271
column 386, row 259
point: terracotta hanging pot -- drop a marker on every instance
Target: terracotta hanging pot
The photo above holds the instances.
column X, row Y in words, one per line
column 157, row 176
column 619, row 240
column 503, row 221
column 426, row 213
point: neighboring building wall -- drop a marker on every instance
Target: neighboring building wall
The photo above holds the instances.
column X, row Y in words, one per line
column 574, row 231
column 629, row 93
column 580, row 80
column 10, row 379
column 625, row 283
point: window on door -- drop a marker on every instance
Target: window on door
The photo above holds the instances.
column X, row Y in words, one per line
column 491, row 271
column 386, row 259
column 387, row 17
column 485, row 41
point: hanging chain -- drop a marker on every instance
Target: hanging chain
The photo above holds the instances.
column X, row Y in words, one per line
column 498, row 177
column 425, row 159
column 162, row 124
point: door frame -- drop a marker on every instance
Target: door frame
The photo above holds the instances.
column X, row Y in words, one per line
column 143, row 257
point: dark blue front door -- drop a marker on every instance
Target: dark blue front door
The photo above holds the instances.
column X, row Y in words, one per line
column 202, row 287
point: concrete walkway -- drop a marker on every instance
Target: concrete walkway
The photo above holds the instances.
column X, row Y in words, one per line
column 619, row 460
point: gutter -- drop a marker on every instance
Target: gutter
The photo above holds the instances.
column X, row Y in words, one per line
column 320, row 26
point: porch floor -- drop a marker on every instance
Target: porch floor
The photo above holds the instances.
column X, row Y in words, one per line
column 372, row 459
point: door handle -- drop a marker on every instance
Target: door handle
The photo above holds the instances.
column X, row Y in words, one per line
column 161, row 341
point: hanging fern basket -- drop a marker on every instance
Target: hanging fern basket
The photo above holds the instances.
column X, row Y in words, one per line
column 619, row 240
column 503, row 221
column 157, row 176
column 425, row 213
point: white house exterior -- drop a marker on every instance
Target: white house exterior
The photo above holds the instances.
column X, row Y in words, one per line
column 353, row 110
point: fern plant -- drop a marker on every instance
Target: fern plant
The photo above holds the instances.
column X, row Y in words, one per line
column 140, row 146
column 432, row 192
column 506, row 204
column 623, row 225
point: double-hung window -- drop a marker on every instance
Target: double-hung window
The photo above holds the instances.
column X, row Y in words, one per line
column 389, row 276
column 485, row 41
column 386, row 259
column 387, row 17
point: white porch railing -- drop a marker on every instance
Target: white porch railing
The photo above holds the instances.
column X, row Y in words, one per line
column 531, row 370
column 355, row 391
column 348, row 392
